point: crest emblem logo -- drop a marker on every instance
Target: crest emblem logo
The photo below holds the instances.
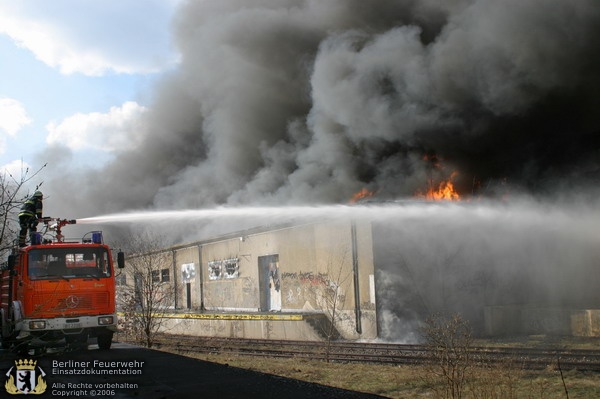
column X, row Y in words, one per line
column 71, row 301
column 27, row 378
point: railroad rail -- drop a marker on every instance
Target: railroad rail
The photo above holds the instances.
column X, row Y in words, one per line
column 380, row 353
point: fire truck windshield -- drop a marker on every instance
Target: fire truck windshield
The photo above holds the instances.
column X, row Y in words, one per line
column 80, row 262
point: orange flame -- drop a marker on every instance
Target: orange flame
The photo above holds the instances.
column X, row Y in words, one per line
column 445, row 191
column 364, row 193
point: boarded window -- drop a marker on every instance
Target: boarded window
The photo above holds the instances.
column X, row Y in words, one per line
column 224, row 269
column 231, row 268
column 214, row 269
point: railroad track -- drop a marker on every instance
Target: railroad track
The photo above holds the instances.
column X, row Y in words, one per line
column 380, row 353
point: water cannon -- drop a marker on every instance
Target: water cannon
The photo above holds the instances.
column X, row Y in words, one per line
column 59, row 222
column 57, row 226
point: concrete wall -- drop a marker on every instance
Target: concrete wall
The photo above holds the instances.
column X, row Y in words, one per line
column 305, row 268
column 586, row 323
column 531, row 320
column 277, row 330
column 187, row 270
column 249, row 326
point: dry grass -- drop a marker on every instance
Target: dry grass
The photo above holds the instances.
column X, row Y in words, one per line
column 412, row 381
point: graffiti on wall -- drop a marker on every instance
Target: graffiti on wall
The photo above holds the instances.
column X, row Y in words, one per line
column 308, row 278
column 305, row 289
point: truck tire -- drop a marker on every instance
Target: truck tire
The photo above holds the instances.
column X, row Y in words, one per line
column 5, row 336
column 22, row 348
column 4, row 344
column 105, row 341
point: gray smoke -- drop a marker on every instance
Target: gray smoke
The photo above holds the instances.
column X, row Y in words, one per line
column 474, row 257
column 305, row 101
column 309, row 101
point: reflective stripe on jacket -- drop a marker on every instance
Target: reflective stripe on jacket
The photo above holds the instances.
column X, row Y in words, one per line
column 31, row 208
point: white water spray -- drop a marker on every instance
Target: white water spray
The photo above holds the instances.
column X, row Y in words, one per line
column 380, row 211
column 220, row 212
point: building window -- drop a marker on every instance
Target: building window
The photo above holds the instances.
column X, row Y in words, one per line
column 231, row 268
column 214, row 269
column 156, row 276
column 161, row 276
column 165, row 276
column 224, row 269
column 188, row 272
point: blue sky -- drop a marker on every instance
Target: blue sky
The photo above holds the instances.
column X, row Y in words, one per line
column 78, row 74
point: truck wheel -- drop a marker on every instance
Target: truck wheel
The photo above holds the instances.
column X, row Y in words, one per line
column 5, row 333
column 105, row 341
column 3, row 343
column 6, row 342
column 22, row 349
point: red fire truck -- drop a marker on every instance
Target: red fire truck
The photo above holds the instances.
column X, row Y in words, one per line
column 55, row 292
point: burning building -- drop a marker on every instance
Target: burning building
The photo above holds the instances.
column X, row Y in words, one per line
column 378, row 270
column 293, row 102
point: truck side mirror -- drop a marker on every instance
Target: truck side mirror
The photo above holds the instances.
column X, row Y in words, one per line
column 121, row 260
column 12, row 259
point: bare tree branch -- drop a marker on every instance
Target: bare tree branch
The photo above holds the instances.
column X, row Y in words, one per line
column 11, row 199
column 146, row 296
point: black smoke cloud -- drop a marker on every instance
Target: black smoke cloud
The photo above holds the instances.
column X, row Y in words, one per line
column 305, row 101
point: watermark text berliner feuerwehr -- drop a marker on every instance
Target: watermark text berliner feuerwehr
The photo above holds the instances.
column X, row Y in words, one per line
column 97, row 367
column 92, row 368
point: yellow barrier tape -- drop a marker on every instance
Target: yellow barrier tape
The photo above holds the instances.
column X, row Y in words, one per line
column 232, row 316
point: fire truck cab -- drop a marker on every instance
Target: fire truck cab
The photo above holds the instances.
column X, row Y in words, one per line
column 54, row 292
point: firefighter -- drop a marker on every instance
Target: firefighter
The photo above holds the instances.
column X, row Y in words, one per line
column 31, row 211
